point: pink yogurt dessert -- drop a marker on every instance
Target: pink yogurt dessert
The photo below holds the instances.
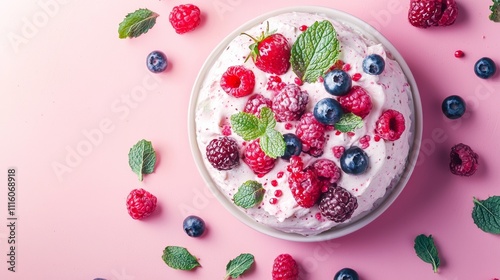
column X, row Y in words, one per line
column 339, row 194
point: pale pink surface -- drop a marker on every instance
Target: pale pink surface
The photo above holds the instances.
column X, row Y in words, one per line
column 73, row 73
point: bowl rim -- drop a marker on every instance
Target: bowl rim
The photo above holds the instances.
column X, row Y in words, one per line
column 338, row 231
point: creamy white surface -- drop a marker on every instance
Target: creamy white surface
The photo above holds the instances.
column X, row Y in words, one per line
column 389, row 90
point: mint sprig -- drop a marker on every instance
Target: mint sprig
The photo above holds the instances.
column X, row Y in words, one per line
column 142, row 158
column 179, row 258
column 315, row 51
column 249, row 194
column 348, row 123
column 250, row 127
column 239, row 265
column 426, row 250
column 486, row 214
column 495, row 11
column 137, row 23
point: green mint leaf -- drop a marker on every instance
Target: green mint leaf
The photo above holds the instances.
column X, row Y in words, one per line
column 137, row 23
column 179, row 258
column 349, row 122
column 495, row 11
column 247, row 126
column 142, row 158
column 239, row 265
column 427, row 251
column 486, row 214
column 272, row 143
column 315, row 51
column 249, row 194
column 267, row 118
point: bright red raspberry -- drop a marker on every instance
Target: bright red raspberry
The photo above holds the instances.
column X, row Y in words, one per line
column 255, row 103
column 289, row 103
column 238, row 81
column 274, row 83
column 427, row 13
column 185, row 18
column 463, row 160
column 364, row 142
column 304, row 184
column 256, row 159
column 285, row 268
column 356, row 77
column 326, row 169
column 140, row 204
column 223, row 153
column 390, row 125
column 338, row 151
column 450, row 13
column 357, row 101
column 312, row 134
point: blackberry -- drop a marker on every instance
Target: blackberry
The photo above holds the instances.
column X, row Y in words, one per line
column 337, row 204
column 223, row 153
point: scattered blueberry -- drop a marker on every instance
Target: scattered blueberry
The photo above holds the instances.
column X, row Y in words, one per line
column 453, row 107
column 194, row 226
column 354, row 161
column 373, row 64
column 328, row 111
column 293, row 146
column 485, row 68
column 157, row 62
column 346, row 274
column 337, row 82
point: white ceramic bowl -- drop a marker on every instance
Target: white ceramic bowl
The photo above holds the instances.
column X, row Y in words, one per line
column 342, row 229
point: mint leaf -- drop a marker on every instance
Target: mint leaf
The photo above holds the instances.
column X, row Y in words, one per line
column 179, row 258
column 239, row 265
column 427, row 251
column 495, row 11
column 349, row 122
column 315, row 51
column 247, row 126
column 267, row 118
column 486, row 214
column 137, row 23
column 142, row 158
column 272, row 143
column 249, row 194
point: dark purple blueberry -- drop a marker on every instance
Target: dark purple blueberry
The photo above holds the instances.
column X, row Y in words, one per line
column 337, row 82
column 485, row 67
column 194, row 226
column 328, row 111
column 373, row 64
column 453, row 107
column 157, row 62
column 293, row 146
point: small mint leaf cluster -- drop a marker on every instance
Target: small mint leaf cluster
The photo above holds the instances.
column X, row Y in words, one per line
column 251, row 127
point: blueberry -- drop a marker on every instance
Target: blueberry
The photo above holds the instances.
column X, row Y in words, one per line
column 328, row 111
column 157, row 62
column 453, row 107
column 293, row 146
column 194, row 226
column 485, row 68
column 373, row 64
column 346, row 274
column 337, row 82
column 354, row 161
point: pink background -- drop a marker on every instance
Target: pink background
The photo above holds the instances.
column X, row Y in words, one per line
column 69, row 75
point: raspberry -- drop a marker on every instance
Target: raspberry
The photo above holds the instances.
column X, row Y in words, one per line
column 326, row 170
column 338, row 151
column 312, row 134
column 427, row 13
column 256, row 159
column 285, row 268
column 390, row 125
column 304, row 183
column 223, row 153
column 185, row 18
column 289, row 103
column 140, row 204
column 255, row 103
column 463, row 160
column 357, row 101
column 337, row 204
column 238, row 81
column 274, row 83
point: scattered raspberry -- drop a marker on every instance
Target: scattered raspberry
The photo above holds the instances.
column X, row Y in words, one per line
column 273, row 200
column 303, row 28
column 256, row 159
column 278, row 193
column 390, row 125
column 318, row 216
column 185, row 18
column 238, row 81
column 140, row 204
column 338, row 65
column 226, row 130
column 463, row 160
column 255, row 103
column 290, row 103
column 356, row 77
column 312, row 134
column 364, row 142
column 285, row 268
column 288, row 126
column 459, row 54
column 304, row 184
column 223, row 153
column 274, row 183
column 326, row 170
column 346, row 67
column 298, row 81
column 337, row 204
column 274, row 83
column 427, row 13
column 357, row 101
column 338, row 151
